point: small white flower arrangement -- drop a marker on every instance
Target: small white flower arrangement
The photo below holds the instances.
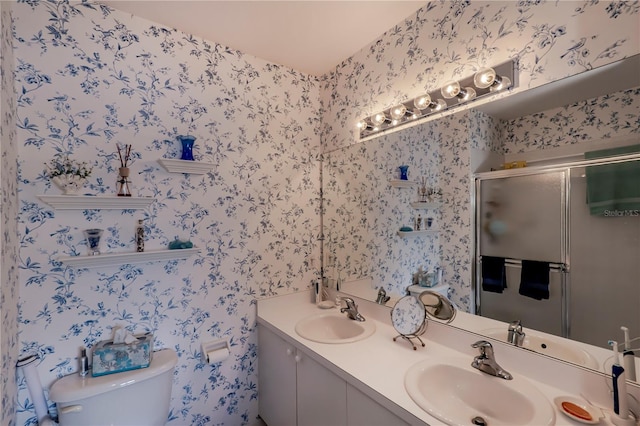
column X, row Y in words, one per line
column 68, row 174
column 63, row 166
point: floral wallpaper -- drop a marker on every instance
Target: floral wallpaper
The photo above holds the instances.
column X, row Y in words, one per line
column 88, row 78
column 448, row 40
column 363, row 212
column 604, row 117
column 8, row 223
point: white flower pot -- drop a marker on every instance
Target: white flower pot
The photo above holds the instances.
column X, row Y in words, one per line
column 70, row 184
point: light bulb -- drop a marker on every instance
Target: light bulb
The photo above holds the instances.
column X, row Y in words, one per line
column 450, row 89
column 422, row 102
column 378, row 119
column 484, row 78
column 500, row 83
column 398, row 112
column 466, row 94
column 362, row 125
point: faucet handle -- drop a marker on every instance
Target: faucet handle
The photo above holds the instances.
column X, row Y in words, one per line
column 351, row 304
column 515, row 325
column 486, row 349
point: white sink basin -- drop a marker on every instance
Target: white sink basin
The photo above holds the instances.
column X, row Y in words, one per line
column 334, row 327
column 547, row 345
column 456, row 395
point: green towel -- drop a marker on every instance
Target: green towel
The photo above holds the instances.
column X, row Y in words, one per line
column 613, row 189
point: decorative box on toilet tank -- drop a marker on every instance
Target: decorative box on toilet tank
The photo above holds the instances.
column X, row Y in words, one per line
column 109, row 357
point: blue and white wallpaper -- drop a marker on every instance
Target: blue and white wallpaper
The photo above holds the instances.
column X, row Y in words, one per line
column 8, row 225
column 449, row 40
column 613, row 115
column 88, row 78
column 364, row 212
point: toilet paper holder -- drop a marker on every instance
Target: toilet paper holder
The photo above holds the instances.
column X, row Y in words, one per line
column 215, row 351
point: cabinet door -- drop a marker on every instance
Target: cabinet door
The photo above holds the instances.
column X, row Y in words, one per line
column 364, row 411
column 322, row 396
column 276, row 379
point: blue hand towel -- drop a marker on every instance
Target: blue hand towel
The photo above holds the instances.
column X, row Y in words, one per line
column 494, row 277
column 534, row 280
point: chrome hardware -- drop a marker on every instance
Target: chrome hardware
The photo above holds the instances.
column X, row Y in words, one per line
column 382, row 297
column 351, row 310
column 515, row 335
column 486, row 361
column 479, row 421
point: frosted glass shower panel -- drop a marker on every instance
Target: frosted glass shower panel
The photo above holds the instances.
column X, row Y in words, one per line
column 522, row 217
column 605, row 266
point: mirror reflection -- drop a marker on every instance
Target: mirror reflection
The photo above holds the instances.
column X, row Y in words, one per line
column 365, row 209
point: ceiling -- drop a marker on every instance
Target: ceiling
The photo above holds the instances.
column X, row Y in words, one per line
column 309, row 36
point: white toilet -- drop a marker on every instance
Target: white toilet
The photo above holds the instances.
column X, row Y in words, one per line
column 136, row 398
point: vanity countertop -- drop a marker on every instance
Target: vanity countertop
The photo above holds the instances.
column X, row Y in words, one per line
column 377, row 364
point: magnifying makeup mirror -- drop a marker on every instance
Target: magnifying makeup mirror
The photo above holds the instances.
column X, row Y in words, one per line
column 409, row 314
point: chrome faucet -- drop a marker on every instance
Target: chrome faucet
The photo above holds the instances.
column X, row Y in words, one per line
column 486, row 361
column 351, row 310
column 382, row 297
column 515, row 335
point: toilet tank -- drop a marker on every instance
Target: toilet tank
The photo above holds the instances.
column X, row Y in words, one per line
column 135, row 398
column 442, row 289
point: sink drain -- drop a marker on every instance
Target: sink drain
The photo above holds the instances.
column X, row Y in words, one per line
column 479, row 421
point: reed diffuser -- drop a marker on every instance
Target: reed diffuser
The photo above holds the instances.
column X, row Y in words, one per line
column 123, row 172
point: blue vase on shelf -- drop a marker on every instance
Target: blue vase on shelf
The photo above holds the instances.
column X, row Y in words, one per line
column 404, row 172
column 187, row 147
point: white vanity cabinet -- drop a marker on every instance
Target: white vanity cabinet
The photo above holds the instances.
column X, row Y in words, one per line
column 362, row 410
column 276, row 379
column 294, row 389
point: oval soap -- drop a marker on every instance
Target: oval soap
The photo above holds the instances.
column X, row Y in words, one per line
column 576, row 410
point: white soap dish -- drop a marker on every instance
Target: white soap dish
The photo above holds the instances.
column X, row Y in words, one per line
column 326, row 304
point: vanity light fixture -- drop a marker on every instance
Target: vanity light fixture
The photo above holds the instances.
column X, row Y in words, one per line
column 424, row 101
column 484, row 82
column 452, row 89
column 487, row 78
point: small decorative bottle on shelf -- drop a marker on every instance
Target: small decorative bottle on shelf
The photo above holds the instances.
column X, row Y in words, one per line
column 123, row 171
column 140, row 236
column 93, row 236
column 404, row 172
column 123, row 182
column 187, row 147
column 418, row 222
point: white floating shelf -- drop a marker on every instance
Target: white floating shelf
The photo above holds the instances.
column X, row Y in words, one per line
column 85, row 202
column 425, row 205
column 403, row 183
column 409, row 234
column 185, row 166
column 112, row 259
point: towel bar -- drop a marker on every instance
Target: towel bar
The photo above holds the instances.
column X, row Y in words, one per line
column 517, row 263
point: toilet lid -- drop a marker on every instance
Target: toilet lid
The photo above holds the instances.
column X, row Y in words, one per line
column 74, row 387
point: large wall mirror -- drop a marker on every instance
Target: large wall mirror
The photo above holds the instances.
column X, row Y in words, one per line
column 363, row 210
